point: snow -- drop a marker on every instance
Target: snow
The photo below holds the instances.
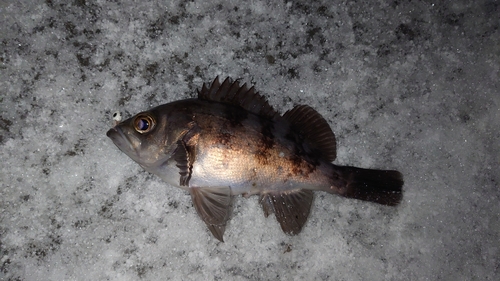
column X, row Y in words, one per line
column 412, row 86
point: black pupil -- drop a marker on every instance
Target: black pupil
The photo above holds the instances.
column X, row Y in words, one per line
column 143, row 124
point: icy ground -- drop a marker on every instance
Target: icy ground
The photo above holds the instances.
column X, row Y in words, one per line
column 407, row 85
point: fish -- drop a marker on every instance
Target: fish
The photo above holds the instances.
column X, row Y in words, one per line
column 230, row 141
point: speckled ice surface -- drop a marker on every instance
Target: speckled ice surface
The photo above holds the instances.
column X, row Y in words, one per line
column 407, row 85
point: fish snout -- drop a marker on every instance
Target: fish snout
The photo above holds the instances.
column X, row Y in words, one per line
column 111, row 132
column 118, row 138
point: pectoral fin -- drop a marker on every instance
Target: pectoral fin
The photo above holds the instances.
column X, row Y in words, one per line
column 291, row 208
column 184, row 156
column 214, row 207
column 185, row 153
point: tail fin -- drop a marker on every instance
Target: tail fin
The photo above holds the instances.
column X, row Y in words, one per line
column 379, row 186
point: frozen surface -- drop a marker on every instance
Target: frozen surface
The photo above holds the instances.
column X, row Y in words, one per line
column 407, row 85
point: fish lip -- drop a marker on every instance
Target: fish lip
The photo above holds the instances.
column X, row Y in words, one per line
column 110, row 132
column 116, row 133
column 120, row 140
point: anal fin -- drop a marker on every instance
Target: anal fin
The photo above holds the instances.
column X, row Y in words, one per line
column 214, row 207
column 291, row 208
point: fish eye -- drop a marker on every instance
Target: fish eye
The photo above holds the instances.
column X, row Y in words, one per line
column 144, row 123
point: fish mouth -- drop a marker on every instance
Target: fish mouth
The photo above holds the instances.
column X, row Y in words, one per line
column 121, row 140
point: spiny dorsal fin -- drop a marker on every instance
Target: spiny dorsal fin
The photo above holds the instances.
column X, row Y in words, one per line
column 291, row 208
column 314, row 129
column 232, row 93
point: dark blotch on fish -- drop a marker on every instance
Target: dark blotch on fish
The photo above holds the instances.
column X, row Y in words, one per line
column 235, row 116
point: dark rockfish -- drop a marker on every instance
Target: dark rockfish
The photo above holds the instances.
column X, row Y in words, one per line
column 230, row 141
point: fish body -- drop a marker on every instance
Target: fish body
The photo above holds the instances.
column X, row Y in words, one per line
column 229, row 141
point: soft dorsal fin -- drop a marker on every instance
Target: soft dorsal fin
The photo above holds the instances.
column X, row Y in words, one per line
column 232, row 93
column 314, row 129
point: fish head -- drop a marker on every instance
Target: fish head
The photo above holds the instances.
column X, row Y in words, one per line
column 143, row 138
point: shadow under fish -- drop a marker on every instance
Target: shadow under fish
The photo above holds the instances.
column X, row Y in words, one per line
column 230, row 141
